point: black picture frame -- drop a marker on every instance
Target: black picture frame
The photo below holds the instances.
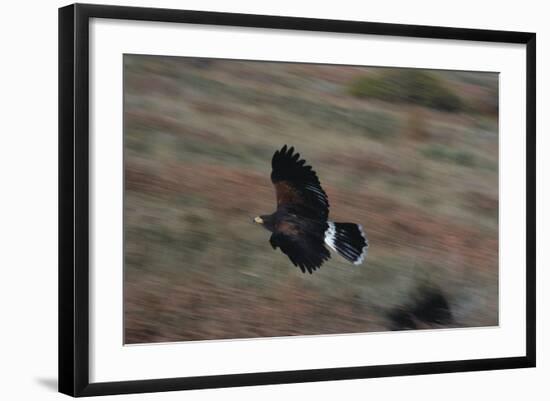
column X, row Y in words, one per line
column 74, row 198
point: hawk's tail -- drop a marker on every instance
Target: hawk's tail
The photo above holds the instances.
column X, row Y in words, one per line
column 349, row 240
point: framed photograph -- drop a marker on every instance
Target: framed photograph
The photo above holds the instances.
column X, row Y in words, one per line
column 251, row 199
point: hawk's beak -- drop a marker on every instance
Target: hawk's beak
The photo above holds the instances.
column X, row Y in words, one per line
column 258, row 220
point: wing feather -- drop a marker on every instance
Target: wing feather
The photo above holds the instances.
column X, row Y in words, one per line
column 297, row 185
column 306, row 252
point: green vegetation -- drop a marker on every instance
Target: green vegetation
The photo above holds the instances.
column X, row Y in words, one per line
column 457, row 156
column 408, row 86
column 443, row 153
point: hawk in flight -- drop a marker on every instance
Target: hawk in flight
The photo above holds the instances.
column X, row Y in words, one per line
column 300, row 225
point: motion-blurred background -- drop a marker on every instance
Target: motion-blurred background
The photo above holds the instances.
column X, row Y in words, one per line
column 412, row 155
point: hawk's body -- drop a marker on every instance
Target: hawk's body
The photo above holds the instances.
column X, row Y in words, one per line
column 300, row 226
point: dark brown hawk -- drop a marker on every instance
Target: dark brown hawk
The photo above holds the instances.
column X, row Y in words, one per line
column 300, row 225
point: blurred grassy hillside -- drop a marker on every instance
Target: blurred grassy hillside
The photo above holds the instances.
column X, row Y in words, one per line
column 411, row 155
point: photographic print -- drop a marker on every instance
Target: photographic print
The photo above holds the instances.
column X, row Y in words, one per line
column 271, row 199
column 226, row 198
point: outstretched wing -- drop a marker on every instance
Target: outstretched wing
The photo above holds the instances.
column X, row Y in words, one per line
column 306, row 252
column 297, row 186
